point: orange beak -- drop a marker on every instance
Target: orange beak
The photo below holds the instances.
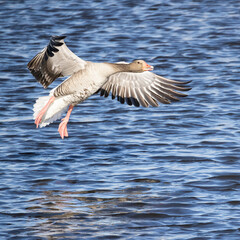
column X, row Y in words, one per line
column 147, row 67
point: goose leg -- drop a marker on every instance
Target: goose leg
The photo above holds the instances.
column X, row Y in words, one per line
column 62, row 129
column 41, row 113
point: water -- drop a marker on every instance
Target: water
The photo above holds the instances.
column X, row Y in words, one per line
column 124, row 173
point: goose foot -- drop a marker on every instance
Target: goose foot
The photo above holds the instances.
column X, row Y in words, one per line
column 38, row 119
column 62, row 129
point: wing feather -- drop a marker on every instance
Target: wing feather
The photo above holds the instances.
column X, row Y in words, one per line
column 143, row 89
column 141, row 98
column 55, row 60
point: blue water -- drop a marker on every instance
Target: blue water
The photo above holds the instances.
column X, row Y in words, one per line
column 171, row 172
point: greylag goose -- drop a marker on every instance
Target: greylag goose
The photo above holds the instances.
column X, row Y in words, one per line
column 129, row 82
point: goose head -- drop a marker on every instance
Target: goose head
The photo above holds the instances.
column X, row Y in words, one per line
column 140, row 66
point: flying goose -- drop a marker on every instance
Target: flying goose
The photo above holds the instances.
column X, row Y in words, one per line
column 132, row 83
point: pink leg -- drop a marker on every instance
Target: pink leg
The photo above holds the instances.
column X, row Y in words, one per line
column 62, row 129
column 41, row 113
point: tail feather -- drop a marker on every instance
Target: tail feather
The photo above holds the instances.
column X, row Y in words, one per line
column 54, row 112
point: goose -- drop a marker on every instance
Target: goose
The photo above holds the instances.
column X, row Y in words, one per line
column 130, row 83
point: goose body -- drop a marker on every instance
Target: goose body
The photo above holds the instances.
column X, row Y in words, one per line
column 129, row 82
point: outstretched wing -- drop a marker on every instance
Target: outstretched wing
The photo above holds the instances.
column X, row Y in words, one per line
column 55, row 60
column 143, row 89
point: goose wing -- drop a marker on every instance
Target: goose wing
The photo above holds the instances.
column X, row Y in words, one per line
column 143, row 89
column 55, row 60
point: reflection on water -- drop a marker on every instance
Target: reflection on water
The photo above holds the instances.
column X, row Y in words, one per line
column 63, row 213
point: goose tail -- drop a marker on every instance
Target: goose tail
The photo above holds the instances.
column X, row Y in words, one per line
column 54, row 111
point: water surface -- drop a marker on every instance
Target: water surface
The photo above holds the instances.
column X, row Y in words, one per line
column 170, row 172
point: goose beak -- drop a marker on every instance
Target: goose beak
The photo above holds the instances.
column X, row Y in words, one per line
column 148, row 67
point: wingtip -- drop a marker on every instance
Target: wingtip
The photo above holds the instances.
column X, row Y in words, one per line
column 55, row 37
column 187, row 82
column 187, row 89
column 182, row 82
